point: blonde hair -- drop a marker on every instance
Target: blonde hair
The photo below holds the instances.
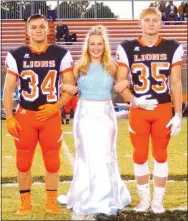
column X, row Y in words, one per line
column 150, row 10
column 106, row 57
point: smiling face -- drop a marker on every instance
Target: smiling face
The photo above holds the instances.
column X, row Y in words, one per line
column 150, row 24
column 96, row 47
column 37, row 30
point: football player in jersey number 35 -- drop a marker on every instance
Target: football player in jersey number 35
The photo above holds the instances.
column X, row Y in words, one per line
column 154, row 65
column 38, row 67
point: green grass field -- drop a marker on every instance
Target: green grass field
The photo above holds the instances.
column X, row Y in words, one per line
column 176, row 190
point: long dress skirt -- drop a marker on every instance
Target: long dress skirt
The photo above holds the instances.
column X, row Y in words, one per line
column 96, row 186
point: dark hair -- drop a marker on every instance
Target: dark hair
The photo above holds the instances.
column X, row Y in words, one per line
column 36, row 16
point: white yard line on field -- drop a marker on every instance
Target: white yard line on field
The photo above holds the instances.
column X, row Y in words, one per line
column 68, row 132
column 67, row 181
column 68, row 154
column 182, row 208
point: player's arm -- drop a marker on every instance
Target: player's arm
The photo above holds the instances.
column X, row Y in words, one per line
column 71, row 89
column 176, row 90
column 121, row 76
column 175, row 79
column 67, row 79
column 121, row 85
column 76, row 68
column 8, row 94
column 13, row 126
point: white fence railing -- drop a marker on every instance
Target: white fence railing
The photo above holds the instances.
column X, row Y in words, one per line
column 57, row 9
column 75, row 9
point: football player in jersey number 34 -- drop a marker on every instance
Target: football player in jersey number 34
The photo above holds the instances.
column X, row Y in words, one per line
column 154, row 65
column 38, row 67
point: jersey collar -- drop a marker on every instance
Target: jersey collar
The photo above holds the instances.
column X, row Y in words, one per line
column 38, row 52
column 156, row 43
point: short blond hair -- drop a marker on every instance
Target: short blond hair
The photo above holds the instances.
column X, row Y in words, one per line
column 150, row 10
column 36, row 16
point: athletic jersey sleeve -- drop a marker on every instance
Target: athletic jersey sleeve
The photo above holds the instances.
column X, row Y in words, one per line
column 11, row 65
column 66, row 63
column 121, row 57
column 178, row 56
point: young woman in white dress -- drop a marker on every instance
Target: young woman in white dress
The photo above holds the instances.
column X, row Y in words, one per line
column 96, row 186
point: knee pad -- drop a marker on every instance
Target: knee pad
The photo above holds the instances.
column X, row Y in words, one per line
column 141, row 169
column 52, row 161
column 160, row 169
column 24, row 159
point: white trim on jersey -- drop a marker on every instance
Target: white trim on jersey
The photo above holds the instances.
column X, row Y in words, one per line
column 178, row 55
column 121, row 56
column 66, row 62
column 10, row 63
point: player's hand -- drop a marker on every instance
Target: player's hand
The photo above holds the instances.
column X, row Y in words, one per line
column 175, row 124
column 120, row 86
column 46, row 111
column 13, row 127
column 143, row 103
column 71, row 89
